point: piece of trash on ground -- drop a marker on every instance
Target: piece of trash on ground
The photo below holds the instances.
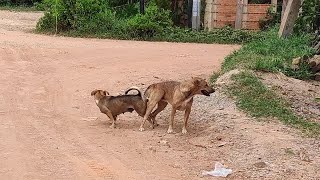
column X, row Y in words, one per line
column 218, row 171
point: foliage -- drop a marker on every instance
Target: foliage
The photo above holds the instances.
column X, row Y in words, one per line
column 121, row 3
column 86, row 16
column 18, row 2
column 223, row 35
column 256, row 99
column 272, row 54
column 153, row 22
column 309, row 17
column 94, row 18
column 126, row 11
column 272, row 19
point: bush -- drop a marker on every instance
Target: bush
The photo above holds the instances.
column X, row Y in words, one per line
column 19, row 2
column 84, row 16
column 153, row 22
column 272, row 19
column 309, row 17
column 94, row 18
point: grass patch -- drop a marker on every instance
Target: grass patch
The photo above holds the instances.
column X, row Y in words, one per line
column 272, row 54
column 221, row 36
column 20, row 8
column 214, row 77
column 257, row 100
column 269, row 53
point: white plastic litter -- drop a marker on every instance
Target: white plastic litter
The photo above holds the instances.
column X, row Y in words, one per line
column 219, row 170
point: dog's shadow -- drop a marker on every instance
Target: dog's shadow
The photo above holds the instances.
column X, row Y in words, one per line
column 131, row 121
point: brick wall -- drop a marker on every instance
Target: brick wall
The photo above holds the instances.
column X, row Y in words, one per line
column 220, row 13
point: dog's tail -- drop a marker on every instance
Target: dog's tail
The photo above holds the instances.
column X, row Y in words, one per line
column 135, row 88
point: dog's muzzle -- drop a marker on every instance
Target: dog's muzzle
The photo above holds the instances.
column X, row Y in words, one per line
column 204, row 92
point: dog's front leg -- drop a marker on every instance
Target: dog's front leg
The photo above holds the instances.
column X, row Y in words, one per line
column 186, row 117
column 173, row 112
column 112, row 118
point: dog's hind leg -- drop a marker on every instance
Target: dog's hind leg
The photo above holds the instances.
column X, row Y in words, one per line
column 154, row 99
column 150, row 107
column 160, row 107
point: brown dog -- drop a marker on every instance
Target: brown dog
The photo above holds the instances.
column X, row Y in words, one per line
column 178, row 94
column 112, row 106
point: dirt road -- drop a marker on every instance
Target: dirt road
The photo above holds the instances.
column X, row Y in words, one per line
column 50, row 127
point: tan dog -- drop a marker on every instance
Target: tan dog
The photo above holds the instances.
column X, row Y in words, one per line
column 178, row 94
column 112, row 106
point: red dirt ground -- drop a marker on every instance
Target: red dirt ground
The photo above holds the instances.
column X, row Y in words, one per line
column 50, row 127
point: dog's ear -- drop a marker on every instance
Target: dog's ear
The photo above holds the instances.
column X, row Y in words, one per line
column 186, row 86
column 105, row 93
column 196, row 81
column 94, row 92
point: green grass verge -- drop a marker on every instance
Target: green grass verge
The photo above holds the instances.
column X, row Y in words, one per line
column 258, row 101
column 272, row 54
column 225, row 35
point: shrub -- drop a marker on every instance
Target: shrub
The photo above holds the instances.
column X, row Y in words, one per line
column 309, row 17
column 94, row 18
column 84, row 16
column 153, row 22
column 19, row 2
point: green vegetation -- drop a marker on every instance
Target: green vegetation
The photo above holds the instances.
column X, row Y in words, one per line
column 253, row 97
column 309, row 17
column 18, row 8
column 272, row 54
column 269, row 53
column 96, row 18
column 19, row 5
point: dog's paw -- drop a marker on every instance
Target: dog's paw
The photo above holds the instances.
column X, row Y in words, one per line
column 184, row 131
column 155, row 124
column 112, row 126
column 170, row 131
column 141, row 129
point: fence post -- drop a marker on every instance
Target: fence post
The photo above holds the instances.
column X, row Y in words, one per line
column 274, row 5
column 284, row 6
column 196, row 14
column 208, row 15
column 239, row 14
column 244, row 23
column 289, row 17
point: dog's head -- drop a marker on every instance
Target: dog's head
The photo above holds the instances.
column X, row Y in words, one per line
column 197, row 86
column 98, row 94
